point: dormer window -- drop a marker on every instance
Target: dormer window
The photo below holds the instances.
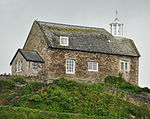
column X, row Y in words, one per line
column 64, row 41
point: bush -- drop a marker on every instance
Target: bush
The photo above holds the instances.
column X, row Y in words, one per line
column 120, row 83
column 36, row 98
column 146, row 89
column 18, row 79
column 6, row 84
column 32, row 87
column 66, row 83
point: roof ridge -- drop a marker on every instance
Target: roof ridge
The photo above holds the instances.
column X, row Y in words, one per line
column 80, row 26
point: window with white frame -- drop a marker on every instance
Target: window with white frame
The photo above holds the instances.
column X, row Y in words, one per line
column 19, row 65
column 70, row 66
column 92, row 66
column 64, row 41
column 124, row 65
column 35, row 65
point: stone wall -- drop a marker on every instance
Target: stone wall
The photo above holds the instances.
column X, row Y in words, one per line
column 36, row 42
column 107, row 65
column 55, row 61
column 5, row 77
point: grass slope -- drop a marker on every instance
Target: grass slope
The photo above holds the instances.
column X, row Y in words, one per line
column 69, row 99
column 8, row 112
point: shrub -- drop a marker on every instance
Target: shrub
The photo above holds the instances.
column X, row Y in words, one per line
column 32, row 86
column 146, row 89
column 66, row 83
column 6, row 84
column 18, row 79
column 120, row 83
column 36, row 98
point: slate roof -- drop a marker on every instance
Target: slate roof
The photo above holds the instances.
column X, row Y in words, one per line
column 87, row 39
column 29, row 56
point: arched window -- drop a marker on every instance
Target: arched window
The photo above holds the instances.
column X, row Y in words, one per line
column 19, row 65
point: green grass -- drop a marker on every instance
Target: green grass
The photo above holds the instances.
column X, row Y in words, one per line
column 18, row 79
column 7, row 112
column 72, row 100
column 6, row 85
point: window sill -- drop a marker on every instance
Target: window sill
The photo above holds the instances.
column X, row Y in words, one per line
column 19, row 71
column 70, row 73
column 124, row 71
column 93, row 70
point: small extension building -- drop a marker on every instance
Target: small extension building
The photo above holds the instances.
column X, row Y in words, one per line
column 80, row 53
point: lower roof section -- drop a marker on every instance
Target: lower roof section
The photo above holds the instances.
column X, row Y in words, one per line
column 29, row 56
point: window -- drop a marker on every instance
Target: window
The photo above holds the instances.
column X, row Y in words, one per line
column 115, row 30
column 35, row 65
column 92, row 66
column 19, row 65
column 70, row 66
column 119, row 29
column 64, row 41
column 124, row 65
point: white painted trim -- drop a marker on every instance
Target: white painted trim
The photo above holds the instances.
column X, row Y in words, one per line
column 33, row 65
column 73, row 66
column 124, row 61
column 20, row 66
column 67, row 41
column 92, row 66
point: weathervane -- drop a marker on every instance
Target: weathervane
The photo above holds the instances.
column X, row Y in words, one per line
column 116, row 13
column 116, row 28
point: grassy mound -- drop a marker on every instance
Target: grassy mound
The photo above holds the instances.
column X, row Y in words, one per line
column 69, row 100
column 73, row 97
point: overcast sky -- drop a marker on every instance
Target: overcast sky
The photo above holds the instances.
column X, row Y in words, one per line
column 17, row 17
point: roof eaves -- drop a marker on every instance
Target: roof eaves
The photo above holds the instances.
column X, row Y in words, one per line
column 135, row 48
column 14, row 57
column 40, row 57
column 20, row 50
column 32, row 60
column 23, row 55
column 91, row 51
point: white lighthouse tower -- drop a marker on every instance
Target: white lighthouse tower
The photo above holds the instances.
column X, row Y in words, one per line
column 116, row 28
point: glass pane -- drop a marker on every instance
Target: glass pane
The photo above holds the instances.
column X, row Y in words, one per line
column 92, row 66
column 122, row 66
column 70, row 66
column 126, row 66
column 63, row 40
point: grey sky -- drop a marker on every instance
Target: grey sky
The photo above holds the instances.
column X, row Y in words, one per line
column 17, row 16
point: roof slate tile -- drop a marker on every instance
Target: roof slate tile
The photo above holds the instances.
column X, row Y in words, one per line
column 88, row 39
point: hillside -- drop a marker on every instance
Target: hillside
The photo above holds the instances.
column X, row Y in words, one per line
column 67, row 99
